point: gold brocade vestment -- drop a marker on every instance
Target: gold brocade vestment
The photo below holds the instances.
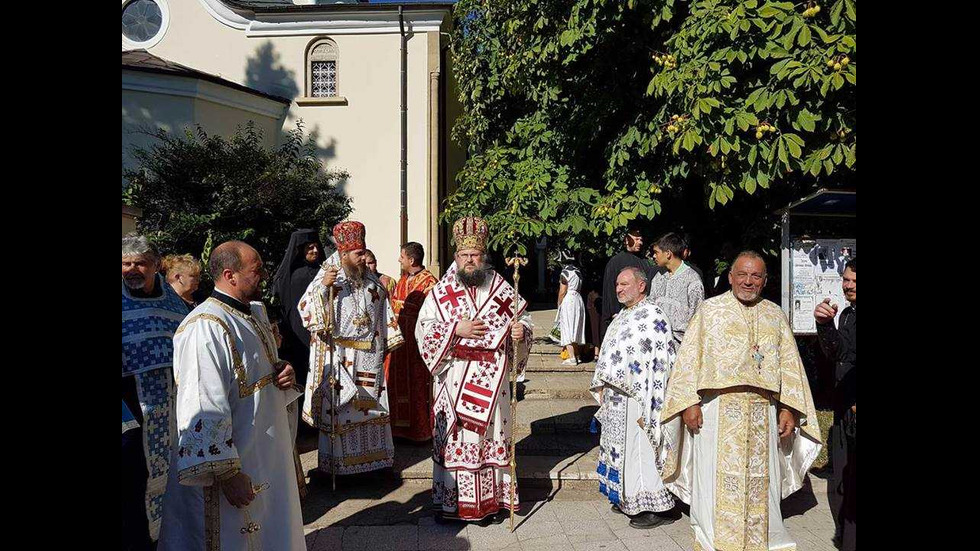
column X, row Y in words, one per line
column 739, row 387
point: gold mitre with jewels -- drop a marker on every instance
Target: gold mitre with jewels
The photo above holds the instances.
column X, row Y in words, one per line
column 470, row 232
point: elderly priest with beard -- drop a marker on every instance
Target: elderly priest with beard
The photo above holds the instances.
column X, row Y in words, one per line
column 749, row 430
column 233, row 481
column 355, row 432
column 469, row 324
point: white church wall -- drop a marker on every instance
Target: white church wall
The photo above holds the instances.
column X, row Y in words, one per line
column 362, row 137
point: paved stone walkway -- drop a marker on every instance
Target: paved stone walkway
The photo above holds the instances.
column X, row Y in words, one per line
column 561, row 505
column 359, row 518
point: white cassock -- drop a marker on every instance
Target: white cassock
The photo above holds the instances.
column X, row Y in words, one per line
column 230, row 414
column 571, row 312
column 471, row 388
column 365, row 329
column 631, row 378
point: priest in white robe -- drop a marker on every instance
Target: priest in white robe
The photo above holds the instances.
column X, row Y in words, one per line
column 362, row 327
column 740, row 428
column 233, row 481
column 471, row 326
column 630, row 380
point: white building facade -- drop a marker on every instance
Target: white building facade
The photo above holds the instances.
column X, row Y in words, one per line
column 338, row 68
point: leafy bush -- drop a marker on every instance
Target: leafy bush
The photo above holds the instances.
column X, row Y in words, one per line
column 198, row 190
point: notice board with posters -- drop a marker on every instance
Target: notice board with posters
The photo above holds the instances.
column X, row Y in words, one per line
column 816, row 272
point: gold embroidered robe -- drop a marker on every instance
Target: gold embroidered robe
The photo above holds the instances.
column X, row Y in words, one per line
column 735, row 469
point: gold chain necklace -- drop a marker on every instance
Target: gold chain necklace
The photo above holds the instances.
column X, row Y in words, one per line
column 757, row 355
column 361, row 317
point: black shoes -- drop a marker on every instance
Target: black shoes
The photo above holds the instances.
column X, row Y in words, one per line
column 645, row 521
column 615, row 508
column 499, row 518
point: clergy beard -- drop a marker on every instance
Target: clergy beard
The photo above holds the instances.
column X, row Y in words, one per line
column 475, row 278
column 749, row 298
column 354, row 272
column 135, row 283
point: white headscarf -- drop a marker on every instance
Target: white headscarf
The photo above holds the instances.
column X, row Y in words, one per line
column 574, row 279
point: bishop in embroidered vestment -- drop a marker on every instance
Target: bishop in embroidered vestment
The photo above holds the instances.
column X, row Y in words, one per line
column 233, row 483
column 740, row 428
column 469, row 325
column 364, row 330
column 409, row 380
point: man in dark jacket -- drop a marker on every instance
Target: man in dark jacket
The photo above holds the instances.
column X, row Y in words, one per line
column 840, row 344
column 633, row 242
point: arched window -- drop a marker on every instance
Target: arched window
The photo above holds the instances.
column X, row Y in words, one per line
column 322, row 69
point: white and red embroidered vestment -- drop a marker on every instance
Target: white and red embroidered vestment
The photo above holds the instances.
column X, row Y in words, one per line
column 471, row 386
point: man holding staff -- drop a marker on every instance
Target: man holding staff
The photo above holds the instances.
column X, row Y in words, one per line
column 347, row 311
column 471, row 327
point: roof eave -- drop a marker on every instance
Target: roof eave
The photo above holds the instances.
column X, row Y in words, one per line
column 187, row 72
column 332, row 8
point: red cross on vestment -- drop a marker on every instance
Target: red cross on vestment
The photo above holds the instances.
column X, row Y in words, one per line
column 503, row 306
column 452, row 295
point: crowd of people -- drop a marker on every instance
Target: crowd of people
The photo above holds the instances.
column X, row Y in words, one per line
column 703, row 401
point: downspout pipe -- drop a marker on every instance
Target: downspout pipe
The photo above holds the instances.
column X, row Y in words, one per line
column 404, row 128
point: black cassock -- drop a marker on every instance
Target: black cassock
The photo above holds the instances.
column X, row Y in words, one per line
column 840, row 344
column 290, row 282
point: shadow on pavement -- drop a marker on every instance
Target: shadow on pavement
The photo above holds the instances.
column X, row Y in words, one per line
column 800, row 502
column 552, row 452
column 406, row 513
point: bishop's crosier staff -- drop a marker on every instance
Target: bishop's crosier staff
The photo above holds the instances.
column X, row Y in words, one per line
column 516, row 262
column 328, row 324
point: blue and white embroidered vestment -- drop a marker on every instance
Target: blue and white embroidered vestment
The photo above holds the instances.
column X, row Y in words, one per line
column 148, row 326
column 630, row 381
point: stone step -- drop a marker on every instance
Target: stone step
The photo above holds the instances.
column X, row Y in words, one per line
column 570, row 385
column 554, row 416
column 538, row 363
column 554, row 444
column 414, row 464
column 545, row 346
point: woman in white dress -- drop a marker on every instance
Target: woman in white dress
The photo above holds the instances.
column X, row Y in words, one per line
column 571, row 314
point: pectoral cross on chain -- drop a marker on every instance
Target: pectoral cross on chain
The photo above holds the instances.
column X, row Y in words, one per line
column 758, row 357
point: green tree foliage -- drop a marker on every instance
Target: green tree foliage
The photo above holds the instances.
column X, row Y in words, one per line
column 583, row 116
column 197, row 190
